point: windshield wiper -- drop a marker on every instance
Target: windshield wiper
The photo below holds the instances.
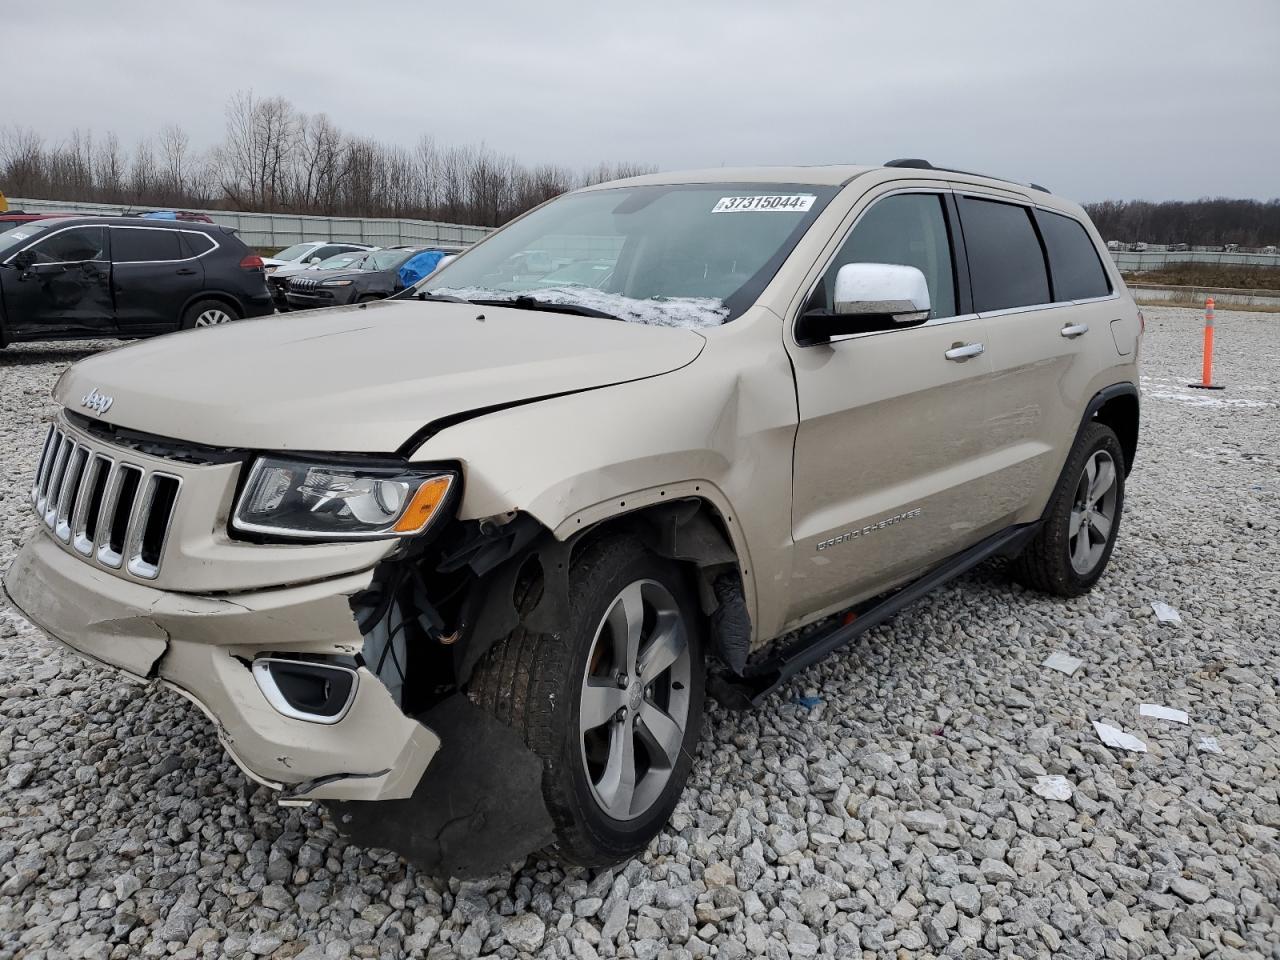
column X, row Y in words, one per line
column 443, row 298
column 547, row 306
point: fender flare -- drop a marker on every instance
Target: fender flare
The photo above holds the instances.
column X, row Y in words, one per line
column 1096, row 403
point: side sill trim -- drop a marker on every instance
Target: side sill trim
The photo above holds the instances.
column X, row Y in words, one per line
column 762, row 678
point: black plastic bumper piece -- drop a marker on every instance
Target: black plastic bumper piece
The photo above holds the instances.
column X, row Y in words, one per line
column 477, row 809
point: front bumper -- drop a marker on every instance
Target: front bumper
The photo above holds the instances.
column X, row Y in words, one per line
column 259, row 306
column 203, row 645
column 334, row 297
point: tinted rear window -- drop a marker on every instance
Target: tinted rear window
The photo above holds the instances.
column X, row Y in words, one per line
column 1006, row 264
column 132, row 244
column 1073, row 259
column 197, row 243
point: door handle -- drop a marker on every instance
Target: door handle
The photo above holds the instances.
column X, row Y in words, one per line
column 964, row 351
column 186, row 272
column 1073, row 330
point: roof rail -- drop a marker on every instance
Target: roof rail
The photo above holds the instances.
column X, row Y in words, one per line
column 915, row 163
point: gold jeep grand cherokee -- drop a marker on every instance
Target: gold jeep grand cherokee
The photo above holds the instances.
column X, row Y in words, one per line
column 462, row 564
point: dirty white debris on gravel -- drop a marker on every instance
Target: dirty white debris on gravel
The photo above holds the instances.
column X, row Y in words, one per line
column 1163, row 713
column 691, row 312
column 1062, row 662
column 1165, row 613
column 898, row 819
column 1115, row 737
column 1053, row 787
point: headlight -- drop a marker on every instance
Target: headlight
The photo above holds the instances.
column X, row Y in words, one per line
column 335, row 283
column 321, row 501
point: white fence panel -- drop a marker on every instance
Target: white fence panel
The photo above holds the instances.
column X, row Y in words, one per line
column 283, row 229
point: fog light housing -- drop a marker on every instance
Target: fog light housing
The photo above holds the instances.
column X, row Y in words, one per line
column 306, row 690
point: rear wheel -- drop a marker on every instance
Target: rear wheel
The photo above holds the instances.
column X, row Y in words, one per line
column 612, row 705
column 1071, row 550
column 208, row 313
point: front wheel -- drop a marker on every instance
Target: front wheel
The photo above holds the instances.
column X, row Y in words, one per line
column 1072, row 548
column 612, row 705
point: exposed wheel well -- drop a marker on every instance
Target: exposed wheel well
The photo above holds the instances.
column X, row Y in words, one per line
column 692, row 532
column 1120, row 413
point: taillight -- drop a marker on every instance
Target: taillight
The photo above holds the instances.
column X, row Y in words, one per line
column 251, row 262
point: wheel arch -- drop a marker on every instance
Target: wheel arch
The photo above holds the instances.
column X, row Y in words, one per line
column 220, row 295
column 1117, row 406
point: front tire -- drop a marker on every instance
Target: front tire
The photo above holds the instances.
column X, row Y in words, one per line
column 1071, row 550
column 612, row 705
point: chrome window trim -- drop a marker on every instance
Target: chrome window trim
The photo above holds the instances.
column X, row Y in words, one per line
column 270, row 690
column 132, row 263
column 932, row 322
column 53, row 233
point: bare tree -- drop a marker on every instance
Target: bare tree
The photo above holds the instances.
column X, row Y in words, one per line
column 273, row 157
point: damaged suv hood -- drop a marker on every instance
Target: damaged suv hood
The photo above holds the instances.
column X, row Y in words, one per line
column 359, row 379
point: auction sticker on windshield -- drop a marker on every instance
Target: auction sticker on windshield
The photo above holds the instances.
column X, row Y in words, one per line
column 789, row 203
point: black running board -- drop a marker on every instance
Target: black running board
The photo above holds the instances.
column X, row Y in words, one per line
column 761, row 679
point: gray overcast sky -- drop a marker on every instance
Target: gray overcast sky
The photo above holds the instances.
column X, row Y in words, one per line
column 1152, row 99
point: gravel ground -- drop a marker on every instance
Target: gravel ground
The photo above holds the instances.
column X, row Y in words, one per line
column 891, row 815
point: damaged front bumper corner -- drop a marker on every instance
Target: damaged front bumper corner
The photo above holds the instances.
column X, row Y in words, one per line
column 203, row 646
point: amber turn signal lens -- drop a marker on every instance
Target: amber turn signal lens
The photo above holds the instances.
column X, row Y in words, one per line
column 429, row 496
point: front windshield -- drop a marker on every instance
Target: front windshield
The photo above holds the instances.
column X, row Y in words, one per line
column 386, row 259
column 340, row 260
column 674, row 255
column 295, row 252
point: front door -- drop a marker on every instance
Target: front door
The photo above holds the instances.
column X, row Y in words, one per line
column 888, row 457
column 64, row 291
column 154, row 278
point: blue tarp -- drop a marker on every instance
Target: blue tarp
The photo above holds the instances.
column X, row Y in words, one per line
column 160, row 215
column 418, row 266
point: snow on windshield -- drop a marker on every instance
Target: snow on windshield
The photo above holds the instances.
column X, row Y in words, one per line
column 690, row 312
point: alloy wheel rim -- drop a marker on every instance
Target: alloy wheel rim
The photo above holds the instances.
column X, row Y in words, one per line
column 1093, row 514
column 211, row 318
column 634, row 705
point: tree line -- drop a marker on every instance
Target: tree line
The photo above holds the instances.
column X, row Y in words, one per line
column 276, row 158
column 1208, row 222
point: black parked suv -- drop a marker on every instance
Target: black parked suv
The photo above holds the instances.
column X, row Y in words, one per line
column 374, row 276
column 76, row 277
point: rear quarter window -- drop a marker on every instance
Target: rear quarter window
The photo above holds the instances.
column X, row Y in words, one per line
column 1006, row 262
column 1074, row 265
column 196, row 243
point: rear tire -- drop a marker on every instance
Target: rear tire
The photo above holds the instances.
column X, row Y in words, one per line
column 208, row 313
column 1070, row 552
column 612, row 705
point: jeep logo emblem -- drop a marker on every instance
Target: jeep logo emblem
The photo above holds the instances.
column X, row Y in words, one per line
column 99, row 403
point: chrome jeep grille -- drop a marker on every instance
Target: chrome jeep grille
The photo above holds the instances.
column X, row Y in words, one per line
column 110, row 512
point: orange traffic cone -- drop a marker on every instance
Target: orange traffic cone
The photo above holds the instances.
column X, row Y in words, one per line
column 1206, row 372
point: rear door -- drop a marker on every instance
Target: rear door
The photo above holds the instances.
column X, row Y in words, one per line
column 66, row 291
column 154, row 277
column 888, row 454
column 1041, row 326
